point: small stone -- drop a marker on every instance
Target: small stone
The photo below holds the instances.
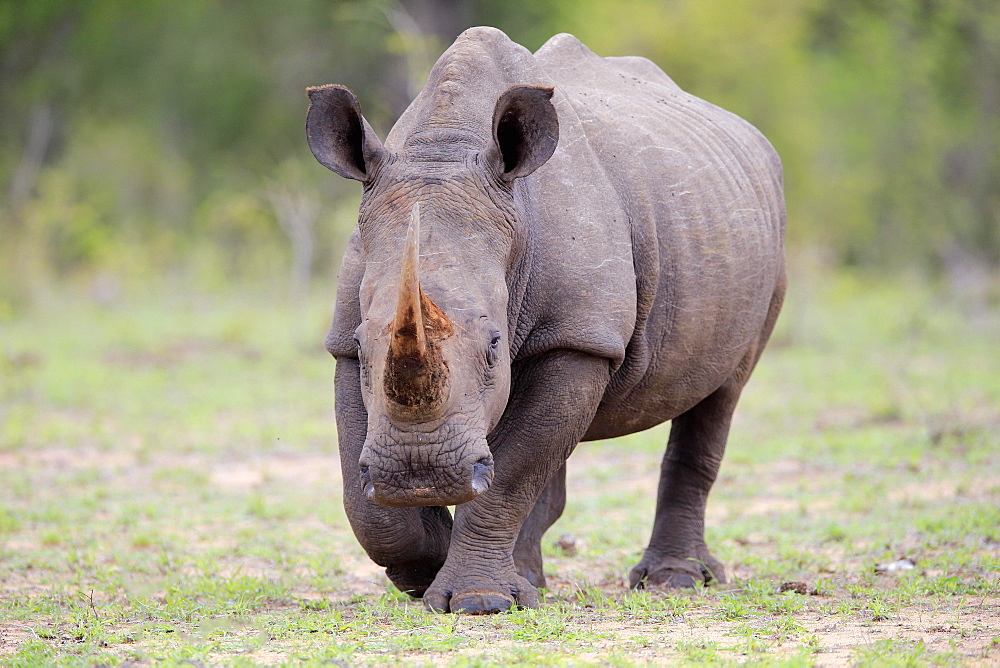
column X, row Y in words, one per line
column 797, row 587
column 904, row 564
column 567, row 543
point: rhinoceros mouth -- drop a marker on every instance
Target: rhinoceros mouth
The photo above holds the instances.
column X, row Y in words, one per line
column 452, row 491
column 443, row 463
column 421, row 496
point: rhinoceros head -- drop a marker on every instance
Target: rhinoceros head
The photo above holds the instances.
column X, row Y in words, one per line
column 440, row 236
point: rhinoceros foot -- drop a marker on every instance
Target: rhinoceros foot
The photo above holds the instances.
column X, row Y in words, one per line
column 476, row 595
column 676, row 573
column 413, row 577
column 532, row 572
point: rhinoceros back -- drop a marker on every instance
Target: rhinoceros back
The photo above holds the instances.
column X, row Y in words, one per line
column 698, row 191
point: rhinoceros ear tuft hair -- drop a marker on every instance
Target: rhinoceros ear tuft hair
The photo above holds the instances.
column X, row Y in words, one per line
column 338, row 135
column 525, row 130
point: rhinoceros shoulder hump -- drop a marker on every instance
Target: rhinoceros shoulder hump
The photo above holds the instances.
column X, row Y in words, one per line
column 484, row 34
column 564, row 49
column 641, row 67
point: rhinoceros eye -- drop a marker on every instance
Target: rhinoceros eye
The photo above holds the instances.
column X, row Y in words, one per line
column 493, row 352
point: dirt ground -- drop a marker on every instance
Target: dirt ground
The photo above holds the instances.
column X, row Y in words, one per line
column 966, row 627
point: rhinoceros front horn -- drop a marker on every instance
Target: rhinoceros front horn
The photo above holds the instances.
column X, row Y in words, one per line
column 416, row 375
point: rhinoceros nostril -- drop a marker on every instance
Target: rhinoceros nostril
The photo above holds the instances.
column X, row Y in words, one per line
column 366, row 482
column 482, row 474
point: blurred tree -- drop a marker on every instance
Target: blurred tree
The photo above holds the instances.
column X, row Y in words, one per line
column 917, row 109
column 296, row 210
column 148, row 136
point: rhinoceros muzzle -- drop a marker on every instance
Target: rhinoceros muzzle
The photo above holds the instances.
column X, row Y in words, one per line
column 427, row 487
column 421, row 454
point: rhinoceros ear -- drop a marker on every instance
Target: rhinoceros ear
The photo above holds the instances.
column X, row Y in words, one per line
column 525, row 130
column 338, row 134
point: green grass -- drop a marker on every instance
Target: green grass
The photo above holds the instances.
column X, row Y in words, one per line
column 169, row 491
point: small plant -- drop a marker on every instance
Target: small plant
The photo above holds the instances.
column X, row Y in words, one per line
column 880, row 609
column 735, row 608
column 699, row 652
column 889, row 651
column 784, row 628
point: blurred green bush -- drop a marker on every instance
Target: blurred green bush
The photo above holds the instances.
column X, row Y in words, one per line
column 158, row 138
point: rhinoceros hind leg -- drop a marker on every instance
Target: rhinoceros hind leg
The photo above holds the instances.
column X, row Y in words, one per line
column 547, row 509
column 674, row 573
column 677, row 555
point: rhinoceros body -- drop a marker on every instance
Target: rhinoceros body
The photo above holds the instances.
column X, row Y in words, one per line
column 551, row 247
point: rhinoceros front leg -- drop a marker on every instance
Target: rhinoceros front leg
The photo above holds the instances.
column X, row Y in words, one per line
column 411, row 543
column 677, row 555
column 547, row 509
column 553, row 399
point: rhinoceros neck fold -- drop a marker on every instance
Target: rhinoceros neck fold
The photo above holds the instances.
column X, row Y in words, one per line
column 439, row 140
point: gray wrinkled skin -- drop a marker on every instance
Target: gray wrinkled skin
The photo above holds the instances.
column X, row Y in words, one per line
column 631, row 277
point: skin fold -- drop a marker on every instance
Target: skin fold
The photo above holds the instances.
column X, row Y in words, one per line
column 551, row 248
